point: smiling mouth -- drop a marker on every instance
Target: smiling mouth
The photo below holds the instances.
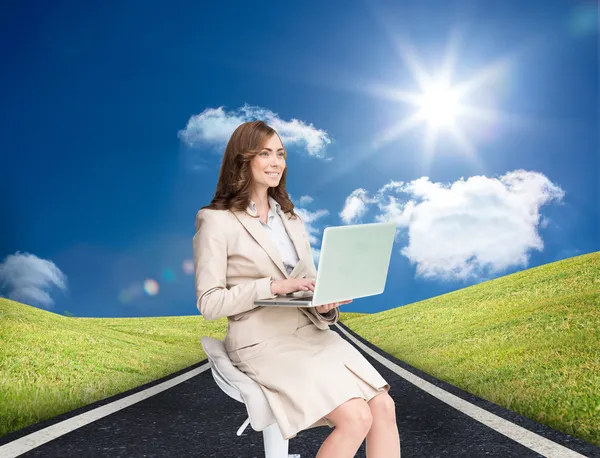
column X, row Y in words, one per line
column 272, row 174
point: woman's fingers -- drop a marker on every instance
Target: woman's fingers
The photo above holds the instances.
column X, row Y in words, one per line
column 327, row 307
column 305, row 285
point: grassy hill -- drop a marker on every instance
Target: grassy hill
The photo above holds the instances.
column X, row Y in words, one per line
column 50, row 364
column 528, row 341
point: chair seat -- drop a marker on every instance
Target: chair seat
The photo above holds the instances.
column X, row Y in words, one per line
column 238, row 385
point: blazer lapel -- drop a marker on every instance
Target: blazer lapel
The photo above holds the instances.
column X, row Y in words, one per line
column 254, row 227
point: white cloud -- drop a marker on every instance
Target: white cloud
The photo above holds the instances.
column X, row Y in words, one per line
column 310, row 219
column 316, row 253
column 355, row 206
column 26, row 278
column 466, row 229
column 305, row 200
column 215, row 126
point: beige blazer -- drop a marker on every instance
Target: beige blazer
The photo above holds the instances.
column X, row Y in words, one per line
column 235, row 260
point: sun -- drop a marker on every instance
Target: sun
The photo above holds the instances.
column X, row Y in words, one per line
column 440, row 105
column 444, row 107
column 445, row 111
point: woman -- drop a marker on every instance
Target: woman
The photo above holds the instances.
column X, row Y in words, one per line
column 249, row 244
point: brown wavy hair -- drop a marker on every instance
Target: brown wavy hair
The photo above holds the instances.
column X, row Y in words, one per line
column 234, row 185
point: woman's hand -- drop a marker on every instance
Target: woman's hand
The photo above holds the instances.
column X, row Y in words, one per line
column 327, row 307
column 291, row 285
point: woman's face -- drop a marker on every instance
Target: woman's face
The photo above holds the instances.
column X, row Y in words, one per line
column 268, row 165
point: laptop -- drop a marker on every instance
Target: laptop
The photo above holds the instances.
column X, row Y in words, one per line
column 353, row 263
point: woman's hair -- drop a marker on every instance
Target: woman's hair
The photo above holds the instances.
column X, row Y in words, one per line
column 234, row 185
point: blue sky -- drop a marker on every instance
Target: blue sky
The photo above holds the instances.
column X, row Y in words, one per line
column 115, row 115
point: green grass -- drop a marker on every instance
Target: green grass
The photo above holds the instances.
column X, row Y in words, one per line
column 528, row 341
column 51, row 364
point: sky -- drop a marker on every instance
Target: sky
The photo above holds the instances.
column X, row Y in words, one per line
column 473, row 125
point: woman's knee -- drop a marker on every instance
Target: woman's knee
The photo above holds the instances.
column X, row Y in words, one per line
column 383, row 407
column 353, row 416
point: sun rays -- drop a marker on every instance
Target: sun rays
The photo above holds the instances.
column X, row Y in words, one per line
column 441, row 106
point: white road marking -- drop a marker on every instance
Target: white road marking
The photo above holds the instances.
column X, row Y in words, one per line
column 523, row 436
column 37, row 438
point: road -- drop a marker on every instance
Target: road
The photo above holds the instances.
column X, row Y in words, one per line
column 187, row 415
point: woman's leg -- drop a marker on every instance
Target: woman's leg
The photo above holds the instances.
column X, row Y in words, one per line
column 383, row 439
column 352, row 421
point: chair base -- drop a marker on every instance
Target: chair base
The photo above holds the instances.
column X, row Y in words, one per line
column 275, row 445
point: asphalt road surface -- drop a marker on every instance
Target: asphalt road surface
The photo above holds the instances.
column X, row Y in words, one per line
column 187, row 415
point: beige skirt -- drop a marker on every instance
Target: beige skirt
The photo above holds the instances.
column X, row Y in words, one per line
column 307, row 374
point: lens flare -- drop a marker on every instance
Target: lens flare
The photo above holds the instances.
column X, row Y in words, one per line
column 151, row 287
column 124, row 296
column 169, row 275
column 583, row 20
column 188, row 267
column 130, row 293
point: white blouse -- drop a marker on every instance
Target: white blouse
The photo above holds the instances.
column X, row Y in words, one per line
column 282, row 240
column 279, row 235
